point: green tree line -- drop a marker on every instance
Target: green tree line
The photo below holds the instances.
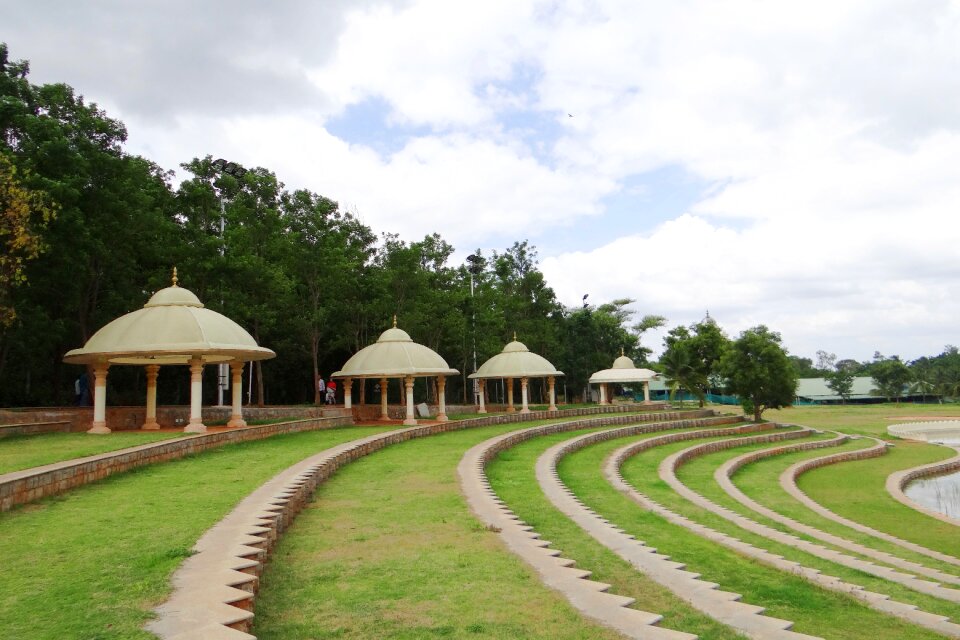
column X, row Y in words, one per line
column 91, row 231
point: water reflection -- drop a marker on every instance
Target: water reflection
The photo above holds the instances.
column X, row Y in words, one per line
column 940, row 493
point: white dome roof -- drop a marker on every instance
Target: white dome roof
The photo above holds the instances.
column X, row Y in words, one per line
column 394, row 354
column 623, row 370
column 516, row 361
column 171, row 328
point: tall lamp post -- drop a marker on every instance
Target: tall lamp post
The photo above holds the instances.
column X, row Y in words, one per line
column 231, row 168
column 476, row 266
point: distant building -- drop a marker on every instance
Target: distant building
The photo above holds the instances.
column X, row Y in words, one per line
column 816, row 391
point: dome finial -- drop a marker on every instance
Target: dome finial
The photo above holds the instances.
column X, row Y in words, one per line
column 394, row 321
column 621, row 352
column 514, row 336
column 175, row 279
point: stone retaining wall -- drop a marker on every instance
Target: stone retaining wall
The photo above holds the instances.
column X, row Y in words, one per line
column 34, row 428
column 171, row 416
column 21, row 487
column 897, row 481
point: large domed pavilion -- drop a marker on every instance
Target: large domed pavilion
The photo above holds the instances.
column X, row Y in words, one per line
column 396, row 355
column 517, row 361
column 173, row 328
column 623, row 371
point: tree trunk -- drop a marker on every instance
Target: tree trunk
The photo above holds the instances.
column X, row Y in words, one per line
column 259, row 383
column 314, row 353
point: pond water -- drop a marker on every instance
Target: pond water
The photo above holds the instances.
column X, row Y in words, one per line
column 939, row 493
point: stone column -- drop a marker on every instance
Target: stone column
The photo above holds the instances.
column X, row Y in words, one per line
column 236, row 389
column 196, row 398
column 603, row 393
column 551, row 382
column 483, row 392
column 348, row 393
column 150, row 422
column 384, row 414
column 646, row 392
column 442, row 397
column 100, row 398
column 524, row 407
column 411, row 417
column 510, row 407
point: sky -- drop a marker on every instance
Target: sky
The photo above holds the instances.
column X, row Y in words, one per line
column 789, row 164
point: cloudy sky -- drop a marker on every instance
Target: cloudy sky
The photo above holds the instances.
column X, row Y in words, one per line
column 792, row 164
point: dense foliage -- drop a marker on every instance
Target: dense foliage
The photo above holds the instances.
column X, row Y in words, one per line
column 305, row 278
column 757, row 369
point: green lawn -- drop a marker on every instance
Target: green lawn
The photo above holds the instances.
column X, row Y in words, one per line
column 23, row 452
column 872, row 505
column 760, row 481
column 814, row 610
column 390, row 550
column 512, row 477
column 869, row 419
column 93, row 562
column 698, row 475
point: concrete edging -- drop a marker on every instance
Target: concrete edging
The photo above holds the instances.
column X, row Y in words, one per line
column 788, row 480
column 897, row 480
column 27, row 485
column 214, row 589
column 667, row 473
column 878, row 601
column 588, row 596
column 34, row 428
column 723, row 606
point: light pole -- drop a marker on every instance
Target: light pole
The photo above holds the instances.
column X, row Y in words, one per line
column 476, row 266
column 232, row 168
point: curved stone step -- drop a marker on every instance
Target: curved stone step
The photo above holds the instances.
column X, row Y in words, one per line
column 788, row 481
column 589, row 597
column 897, row 480
column 232, row 552
column 720, row 605
column 668, row 473
column 880, row 602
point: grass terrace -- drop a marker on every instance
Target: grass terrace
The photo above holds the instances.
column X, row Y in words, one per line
column 22, row 452
column 93, row 562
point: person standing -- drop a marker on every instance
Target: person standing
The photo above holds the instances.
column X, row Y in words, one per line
column 321, row 390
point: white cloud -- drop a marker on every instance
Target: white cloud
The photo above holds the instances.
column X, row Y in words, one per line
column 828, row 132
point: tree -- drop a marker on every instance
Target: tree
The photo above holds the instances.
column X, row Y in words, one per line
column 891, row 376
column 757, row 369
column 24, row 214
column 699, row 348
column 678, row 368
column 840, row 381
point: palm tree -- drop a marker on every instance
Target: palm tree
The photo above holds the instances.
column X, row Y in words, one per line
column 679, row 371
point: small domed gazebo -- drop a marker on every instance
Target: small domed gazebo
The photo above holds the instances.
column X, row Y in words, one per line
column 173, row 328
column 516, row 361
column 396, row 355
column 623, row 371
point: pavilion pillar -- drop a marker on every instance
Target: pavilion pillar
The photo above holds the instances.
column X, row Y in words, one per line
column 196, row 398
column 552, row 384
column 524, row 408
column 384, row 414
column 442, row 397
column 100, row 398
column 150, row 421
column 348, row 393
column 411, row 418
column 603, row 393
column 236, row 389
column 510, row 407
column 646, row 392
column 483, row 391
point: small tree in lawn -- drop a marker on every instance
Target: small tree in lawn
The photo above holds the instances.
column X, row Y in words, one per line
column 758, row 370
column 891, row 376
column 840, row 381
